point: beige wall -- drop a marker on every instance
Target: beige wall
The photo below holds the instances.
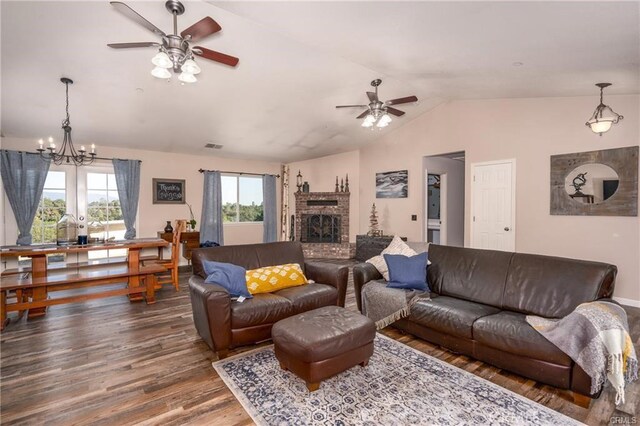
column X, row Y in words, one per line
column 153, row 217
column 321, row 174
column 529, row 130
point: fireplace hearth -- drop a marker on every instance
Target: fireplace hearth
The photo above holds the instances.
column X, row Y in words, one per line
column 320, row 228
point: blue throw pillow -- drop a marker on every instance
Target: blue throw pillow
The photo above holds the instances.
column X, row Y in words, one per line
column 232, row 277
column 407, row 272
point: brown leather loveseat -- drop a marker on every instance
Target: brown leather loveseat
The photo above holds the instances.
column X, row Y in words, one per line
column 225, row 324
column 480, row 301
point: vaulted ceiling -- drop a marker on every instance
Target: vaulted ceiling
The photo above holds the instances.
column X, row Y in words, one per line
column 297, row 61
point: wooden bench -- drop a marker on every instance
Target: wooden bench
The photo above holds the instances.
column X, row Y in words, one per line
column 32, row 293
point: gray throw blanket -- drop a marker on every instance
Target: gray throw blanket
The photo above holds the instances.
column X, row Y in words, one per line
column 596, row 336
column 388, row 305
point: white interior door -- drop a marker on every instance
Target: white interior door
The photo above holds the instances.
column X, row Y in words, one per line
column 493, row 203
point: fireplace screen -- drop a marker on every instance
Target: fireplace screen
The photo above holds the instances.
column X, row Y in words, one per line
column 320, row 228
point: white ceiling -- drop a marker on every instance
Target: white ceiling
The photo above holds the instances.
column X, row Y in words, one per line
column 297, row 61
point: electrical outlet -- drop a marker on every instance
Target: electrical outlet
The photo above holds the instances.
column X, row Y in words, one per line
column 414, row 217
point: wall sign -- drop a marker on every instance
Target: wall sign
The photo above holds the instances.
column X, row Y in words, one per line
column 169, row 191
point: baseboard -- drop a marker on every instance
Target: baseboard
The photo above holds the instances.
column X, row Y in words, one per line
column 627, row 302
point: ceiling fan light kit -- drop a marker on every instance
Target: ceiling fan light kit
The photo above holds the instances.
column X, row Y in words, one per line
column 175, row 51
column 603, row 117
column 377, row 113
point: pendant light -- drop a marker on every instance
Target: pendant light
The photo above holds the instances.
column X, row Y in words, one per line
column 603, row 117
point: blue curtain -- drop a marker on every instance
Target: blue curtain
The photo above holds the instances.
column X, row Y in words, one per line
column 211, row 222
column 270, row 206
column 23, row 177
column 128, row 183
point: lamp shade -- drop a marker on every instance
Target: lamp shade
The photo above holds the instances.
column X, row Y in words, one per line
column 186, row 77
column 190, row 67
column 159, row 72
column 162, row 60
column 600, row 126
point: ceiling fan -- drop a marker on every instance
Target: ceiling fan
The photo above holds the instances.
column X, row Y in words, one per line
column 377, row 112
column 175, row 50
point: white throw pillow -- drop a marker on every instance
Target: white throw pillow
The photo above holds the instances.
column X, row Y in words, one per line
column 397, row 246
column 419, row 247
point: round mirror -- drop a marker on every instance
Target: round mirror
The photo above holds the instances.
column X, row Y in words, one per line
column 591, row 183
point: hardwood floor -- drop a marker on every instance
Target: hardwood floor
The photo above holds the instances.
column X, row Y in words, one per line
column 112, row 362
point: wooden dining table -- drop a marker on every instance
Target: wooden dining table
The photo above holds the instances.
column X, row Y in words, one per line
column 40, row 268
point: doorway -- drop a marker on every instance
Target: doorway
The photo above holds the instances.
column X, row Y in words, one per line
column 493, row 205
column 444, row 198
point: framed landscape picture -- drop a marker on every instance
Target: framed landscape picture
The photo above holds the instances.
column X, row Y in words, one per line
column 169, row 191
column 392, row 184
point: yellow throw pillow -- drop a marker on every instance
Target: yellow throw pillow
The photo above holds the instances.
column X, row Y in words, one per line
column 274, row 278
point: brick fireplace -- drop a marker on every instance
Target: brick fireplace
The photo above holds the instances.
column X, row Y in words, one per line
column 322, row 224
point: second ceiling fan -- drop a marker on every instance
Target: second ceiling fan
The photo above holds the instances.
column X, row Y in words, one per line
column 377, row 112
column 175, row 51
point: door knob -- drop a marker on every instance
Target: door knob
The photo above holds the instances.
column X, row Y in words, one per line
column 506, row 228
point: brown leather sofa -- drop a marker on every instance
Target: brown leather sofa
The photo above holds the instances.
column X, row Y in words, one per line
column 225, row 324
column 480, row 300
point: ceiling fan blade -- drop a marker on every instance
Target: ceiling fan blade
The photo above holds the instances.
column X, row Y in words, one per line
column 395, row 112
column 402, row 100
column 363, row 115
column 373, row 97
column 201, row 29
column 135, row 16
column 215, row 56
column 351, row 106
column 129, row 45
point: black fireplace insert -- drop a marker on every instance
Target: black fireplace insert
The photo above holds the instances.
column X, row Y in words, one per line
column 320, row 228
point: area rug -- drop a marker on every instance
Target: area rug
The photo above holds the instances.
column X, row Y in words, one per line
column 400, row 386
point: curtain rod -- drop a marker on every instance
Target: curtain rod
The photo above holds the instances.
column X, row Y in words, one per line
column 239, row 173
column 68, row 157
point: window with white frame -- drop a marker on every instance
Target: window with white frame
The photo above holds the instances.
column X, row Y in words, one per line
column 242, row 198
column 52, row 206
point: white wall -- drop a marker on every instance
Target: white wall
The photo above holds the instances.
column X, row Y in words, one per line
column 321, row 174
column 454, row 199
column 529, row 130
column 153, row 217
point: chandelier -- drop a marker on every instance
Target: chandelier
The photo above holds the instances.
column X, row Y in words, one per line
column 66, row 152
column 603, row 117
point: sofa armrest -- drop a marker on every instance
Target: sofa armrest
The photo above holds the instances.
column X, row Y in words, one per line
column 211, row 306
column 333, row 275
column 362, row 274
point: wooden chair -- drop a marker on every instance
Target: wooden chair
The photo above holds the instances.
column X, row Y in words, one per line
column 171, row 264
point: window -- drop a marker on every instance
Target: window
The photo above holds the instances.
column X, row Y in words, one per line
column 241, row 199
column 52, row 207
column 103, row 204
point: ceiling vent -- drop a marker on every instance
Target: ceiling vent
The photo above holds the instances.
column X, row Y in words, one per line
column 213, row 146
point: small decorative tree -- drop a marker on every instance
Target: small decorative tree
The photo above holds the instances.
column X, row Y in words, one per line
column 374, row 229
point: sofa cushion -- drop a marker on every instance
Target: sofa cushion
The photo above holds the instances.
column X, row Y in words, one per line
column 310, row 296
column 553, row 287
column 263, row 308
column 510, row 332
column 269, row 279
column 471, row 274
column 449, row 315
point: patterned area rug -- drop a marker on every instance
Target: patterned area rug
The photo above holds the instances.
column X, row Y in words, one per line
column 400, row 386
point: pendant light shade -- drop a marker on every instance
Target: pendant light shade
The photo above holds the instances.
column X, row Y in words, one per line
column 162, row 60
column 159, row 72
column 190, row 66
column 186, row 77
column 603, row 117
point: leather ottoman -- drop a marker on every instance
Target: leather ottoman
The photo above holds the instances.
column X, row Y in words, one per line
column 321, row 343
